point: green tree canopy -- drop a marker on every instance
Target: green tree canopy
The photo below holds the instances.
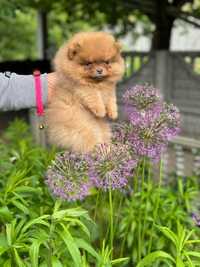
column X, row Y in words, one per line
column 18, row 21
column 158, row 16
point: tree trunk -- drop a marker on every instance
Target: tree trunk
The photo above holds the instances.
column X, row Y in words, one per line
column 42, row 32
column 162, row 36
column 163, row 26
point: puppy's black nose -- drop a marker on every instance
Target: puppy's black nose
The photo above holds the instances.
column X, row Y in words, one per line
column 99, row 71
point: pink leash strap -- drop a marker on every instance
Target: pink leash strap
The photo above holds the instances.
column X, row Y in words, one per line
column 38, row 93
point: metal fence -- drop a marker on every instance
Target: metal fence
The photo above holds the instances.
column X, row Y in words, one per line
column 135, row 60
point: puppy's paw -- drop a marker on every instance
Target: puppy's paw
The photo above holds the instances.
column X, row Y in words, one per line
column 100, row 112
column 112, row 114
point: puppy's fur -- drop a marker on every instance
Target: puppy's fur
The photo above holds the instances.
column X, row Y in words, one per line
column 87, row 69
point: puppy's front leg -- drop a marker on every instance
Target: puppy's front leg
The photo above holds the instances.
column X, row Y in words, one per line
column 94, row 102
column 110, row 101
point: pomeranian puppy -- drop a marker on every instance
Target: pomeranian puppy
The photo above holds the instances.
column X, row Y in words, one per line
column 87, row 70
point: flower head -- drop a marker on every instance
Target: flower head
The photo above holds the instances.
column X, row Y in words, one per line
column 110, row 165
column 121, row 133
column 141, row 97
column 196, row 219
column 152, row 122
column 67, row 176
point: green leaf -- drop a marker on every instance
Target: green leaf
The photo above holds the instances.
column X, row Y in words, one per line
column 116, row 261
column 84, row 245
column 190, row 263
column 193, row 241
column 78, row 222
column 57, row 205
column 84, row 261
column 43, row 264
column 18, row 259
column 71, row 245
column 56, row 262
column 5, row 214
column 42, row 235
column 3, row 249
column 181, row 237
column 26, row 189
column 19, row 226
column 13, row 178
column 20, row 206
column 7, row 263
column 150, row 258
column 34, row 252
column 179, row 262
column 39, row 220
column 3, row 240
column 76, row 212
column 169, row 234
column 9, row 234
column 189, row 235
column 193, row 253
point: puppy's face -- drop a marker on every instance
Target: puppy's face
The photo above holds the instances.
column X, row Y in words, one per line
column 93, row 58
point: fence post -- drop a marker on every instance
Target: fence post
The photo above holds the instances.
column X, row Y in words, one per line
column 36, row 122
column 162, row 72
column 39, row 134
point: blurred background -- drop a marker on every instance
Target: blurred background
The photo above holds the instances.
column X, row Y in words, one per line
column 140, row 24
column 160, row 38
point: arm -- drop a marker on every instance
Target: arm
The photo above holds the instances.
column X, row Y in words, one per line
column 17, row 91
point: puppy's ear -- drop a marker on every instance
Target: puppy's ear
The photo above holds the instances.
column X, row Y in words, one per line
column 118, row 46
column 73, row 50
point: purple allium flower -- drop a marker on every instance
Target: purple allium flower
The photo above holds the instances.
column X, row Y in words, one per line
column 110, row 166
column 196, row 219
column 67, row 177
column 121, row 133
column 141, row 97
column 152, row 122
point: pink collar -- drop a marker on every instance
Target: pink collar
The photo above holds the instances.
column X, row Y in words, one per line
column 38, row 93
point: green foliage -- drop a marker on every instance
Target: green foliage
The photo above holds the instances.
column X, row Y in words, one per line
column 36, row 230
column 154, row 205
column 63, row 25
column 151, row 225
column 182, row 254
column 18, row 26
column 18, row 31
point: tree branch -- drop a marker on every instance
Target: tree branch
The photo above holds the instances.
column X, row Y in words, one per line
column 185, row 16
column 179, row 3
column 145, row 9
column 194, row 23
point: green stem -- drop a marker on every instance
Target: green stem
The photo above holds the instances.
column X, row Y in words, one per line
column 111, row 221
column 97, row 203
column 135, row 190
column 147, row 201
column 117, row 217
column 140, row 213
column 135, row 185
column 155, row 214
column 123, row 243
column 49, row 255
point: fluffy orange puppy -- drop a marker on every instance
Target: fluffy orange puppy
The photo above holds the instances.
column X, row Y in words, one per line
column 87, row 70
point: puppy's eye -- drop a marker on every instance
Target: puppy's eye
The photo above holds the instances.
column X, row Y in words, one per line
column 88, row 63
column 107, row 62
